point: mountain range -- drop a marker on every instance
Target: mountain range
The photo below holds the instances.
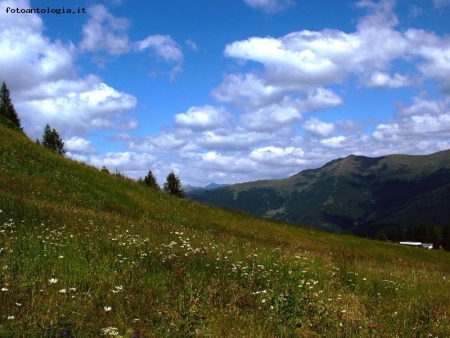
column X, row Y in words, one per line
column 354, row 194
column 190, row 190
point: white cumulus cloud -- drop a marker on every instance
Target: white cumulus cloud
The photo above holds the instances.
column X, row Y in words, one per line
column 319, row 128
column 163, row 46
column 202, row 118
column 106, row 32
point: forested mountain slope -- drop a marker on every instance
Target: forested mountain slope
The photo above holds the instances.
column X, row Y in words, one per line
column 350, row 194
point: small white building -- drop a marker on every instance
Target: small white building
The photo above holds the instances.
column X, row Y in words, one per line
column 419, row 244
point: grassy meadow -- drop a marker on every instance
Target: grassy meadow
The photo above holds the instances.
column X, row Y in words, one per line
column 85, row 253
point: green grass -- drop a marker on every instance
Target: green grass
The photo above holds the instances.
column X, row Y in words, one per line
column 88, row 254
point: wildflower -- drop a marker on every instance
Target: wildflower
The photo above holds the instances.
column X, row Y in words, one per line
column 72, row 289
column 4, row 289
column 107, row 308
column 10, row 317
column 110, row 331
column 62, row 291
column 52, row 280
column 60, row 257
column 19, row 304
column 117, row 289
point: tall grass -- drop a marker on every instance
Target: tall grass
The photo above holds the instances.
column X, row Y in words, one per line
column 88, row 254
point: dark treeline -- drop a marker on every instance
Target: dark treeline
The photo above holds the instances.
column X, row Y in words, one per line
column 438, row 236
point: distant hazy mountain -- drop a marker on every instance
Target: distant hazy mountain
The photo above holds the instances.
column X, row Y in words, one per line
column 350, row 194
column 190, row 190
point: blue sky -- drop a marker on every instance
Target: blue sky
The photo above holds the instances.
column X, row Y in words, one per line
column 230, row 91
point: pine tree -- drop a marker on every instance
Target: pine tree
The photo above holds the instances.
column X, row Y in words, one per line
column 421, row 233
column 446, row 237
column 173, row 185
column 53, row 141
column 7, row 108
column 436, row 236
column 150, row 180
column 381, row 236
column 104, row 170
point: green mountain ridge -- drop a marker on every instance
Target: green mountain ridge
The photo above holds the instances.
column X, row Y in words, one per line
column 352, row 194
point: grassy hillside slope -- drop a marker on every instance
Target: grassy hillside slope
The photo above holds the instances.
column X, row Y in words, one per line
column 350, row 194
column 88, row 254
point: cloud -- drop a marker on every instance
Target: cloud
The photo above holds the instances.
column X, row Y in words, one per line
column 441, row 3
column 319, row 128
column 334, row 142
column 163, row 46
column 45, row 88
column 273, row 117
column 126, row 162
column 203, row 118
column 77, row 106
column 313, row 59
column 105, row 32
column 78, row 145
column 384, row 80
column 289, row 156
column 270, row 6
column 192, row 45
column 424, row 120
column 246, row 90
column 29, row 58
column 308, row 59
column 236, row 139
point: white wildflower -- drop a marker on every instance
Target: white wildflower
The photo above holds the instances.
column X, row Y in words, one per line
column 110, row 331
column 53, row 280
column 107, row 308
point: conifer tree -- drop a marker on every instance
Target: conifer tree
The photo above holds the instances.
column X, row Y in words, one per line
column 446, row 237
column 381, row 236
column 53, row 141
column 173, row 185
column 150, row 180
column 7, row 108
column 436, row 236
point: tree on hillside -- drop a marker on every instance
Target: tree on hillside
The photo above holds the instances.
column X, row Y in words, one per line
column 53, row 141
column 150, row 180
column 173, row 185
column 409, row 234
column 421, row 233
column 435, row 236
column 396, row 235
column 104, row 170
column 446, row 237
column 381, row 236
column 7, row 108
